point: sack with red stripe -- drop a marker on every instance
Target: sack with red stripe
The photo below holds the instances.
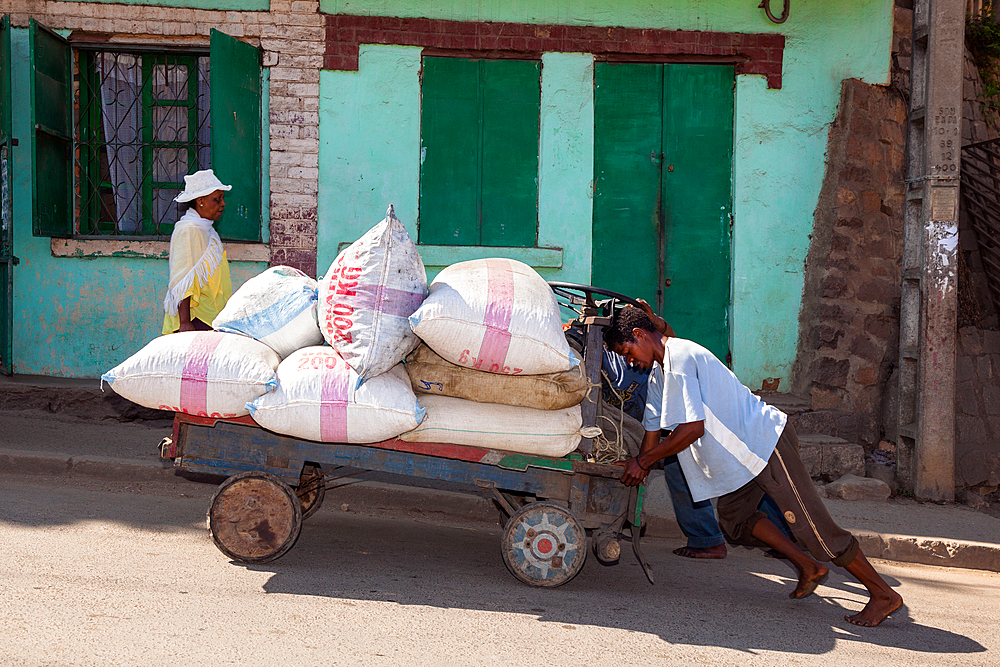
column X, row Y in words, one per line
column 318, row 398
column 204, row 373
column 494, row 315
column 367, row 295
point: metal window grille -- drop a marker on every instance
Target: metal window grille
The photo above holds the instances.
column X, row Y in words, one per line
column 981, row 200
column 142, row 123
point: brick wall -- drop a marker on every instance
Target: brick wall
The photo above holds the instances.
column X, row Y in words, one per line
column 751, row 53
column 292, row 38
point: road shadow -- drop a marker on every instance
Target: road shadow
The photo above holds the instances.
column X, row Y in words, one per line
column 739, row 603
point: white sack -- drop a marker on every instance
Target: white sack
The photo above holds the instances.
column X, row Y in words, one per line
column 318, row 399
column 371, row 289
column 276, row 307
column 457, row 421
column 494, row 315
column 204, row 373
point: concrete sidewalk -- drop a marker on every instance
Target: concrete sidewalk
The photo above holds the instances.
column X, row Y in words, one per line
column 55, row 427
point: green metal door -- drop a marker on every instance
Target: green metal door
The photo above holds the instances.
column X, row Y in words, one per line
column 6, row 218
column 663, row 151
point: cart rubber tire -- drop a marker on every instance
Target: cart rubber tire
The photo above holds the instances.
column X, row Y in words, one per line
column 254, row 517
column 310, row 491
column 544, row 545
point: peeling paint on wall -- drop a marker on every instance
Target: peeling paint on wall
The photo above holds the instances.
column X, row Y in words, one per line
column 943, row 244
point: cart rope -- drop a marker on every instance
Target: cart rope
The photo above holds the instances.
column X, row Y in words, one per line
column 611, row 450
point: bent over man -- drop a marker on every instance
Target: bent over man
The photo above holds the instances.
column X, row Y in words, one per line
column 732, row 445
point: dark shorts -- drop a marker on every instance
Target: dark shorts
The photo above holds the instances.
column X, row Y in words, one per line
column 791, row 488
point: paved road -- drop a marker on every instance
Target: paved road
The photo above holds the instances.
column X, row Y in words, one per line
column 114, row 573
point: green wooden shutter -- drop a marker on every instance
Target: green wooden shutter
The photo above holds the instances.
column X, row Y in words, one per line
column 5, row 116
column 236, row 134
column 479, row 124
column 51, row 132
column 511, row 108
column 6, row 218
column 449, row 152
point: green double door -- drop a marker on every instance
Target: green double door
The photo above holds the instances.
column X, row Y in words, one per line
column 663, row 160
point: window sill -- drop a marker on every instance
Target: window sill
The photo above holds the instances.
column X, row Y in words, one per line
column 87, row 249
column 444, row 255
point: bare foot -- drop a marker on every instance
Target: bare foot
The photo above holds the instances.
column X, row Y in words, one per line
column 809, row 579
column 877, row 610
column 718, row 551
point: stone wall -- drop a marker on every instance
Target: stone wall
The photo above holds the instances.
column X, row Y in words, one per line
column 292, row 37
column 977, row 410
column 977, row 371
column 849, row 326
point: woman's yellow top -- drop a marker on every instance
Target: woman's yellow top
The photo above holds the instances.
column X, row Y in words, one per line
column 198, row 269
column 207, row 300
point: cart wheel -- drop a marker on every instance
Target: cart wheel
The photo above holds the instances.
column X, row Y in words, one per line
column 544, row 545
column 311, row 490
column 254, row 517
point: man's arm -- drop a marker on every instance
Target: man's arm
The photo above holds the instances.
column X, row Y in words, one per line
column 655, row 448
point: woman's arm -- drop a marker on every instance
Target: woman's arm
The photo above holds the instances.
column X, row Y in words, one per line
column 184, row 314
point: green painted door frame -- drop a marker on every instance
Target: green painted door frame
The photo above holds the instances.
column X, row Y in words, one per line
column 7, row 259
column 663, row 153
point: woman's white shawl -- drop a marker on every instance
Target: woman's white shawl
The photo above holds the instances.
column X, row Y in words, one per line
column 195, row 250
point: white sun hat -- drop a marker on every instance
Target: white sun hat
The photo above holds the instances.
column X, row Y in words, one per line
column 199, row 184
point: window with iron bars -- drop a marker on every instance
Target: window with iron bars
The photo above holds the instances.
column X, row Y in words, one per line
column 142, row 123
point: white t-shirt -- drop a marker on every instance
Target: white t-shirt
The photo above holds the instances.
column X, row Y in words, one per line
column 741, row 431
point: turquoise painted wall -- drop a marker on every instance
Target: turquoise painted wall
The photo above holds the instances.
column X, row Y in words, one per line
column 76, row 317
column 369, row 143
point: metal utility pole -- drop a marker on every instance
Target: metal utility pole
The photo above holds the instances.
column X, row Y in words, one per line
column 929, row 298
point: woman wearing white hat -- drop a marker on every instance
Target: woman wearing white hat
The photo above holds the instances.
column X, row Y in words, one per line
column 199, row 271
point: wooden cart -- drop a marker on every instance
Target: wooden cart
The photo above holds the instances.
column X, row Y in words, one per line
column 552, row 506
column 275, row 481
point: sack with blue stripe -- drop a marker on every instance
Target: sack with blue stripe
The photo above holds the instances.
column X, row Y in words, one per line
column 276, row 307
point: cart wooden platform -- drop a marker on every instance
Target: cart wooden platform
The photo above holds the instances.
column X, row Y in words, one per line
column 275, row 481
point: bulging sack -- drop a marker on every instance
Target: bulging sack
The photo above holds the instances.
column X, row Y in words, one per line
column 431, row 374
column 371, row 289
column 204, row 373
column 456, row 421
column 276, row 307
column 494, row 315
column 317, row 398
